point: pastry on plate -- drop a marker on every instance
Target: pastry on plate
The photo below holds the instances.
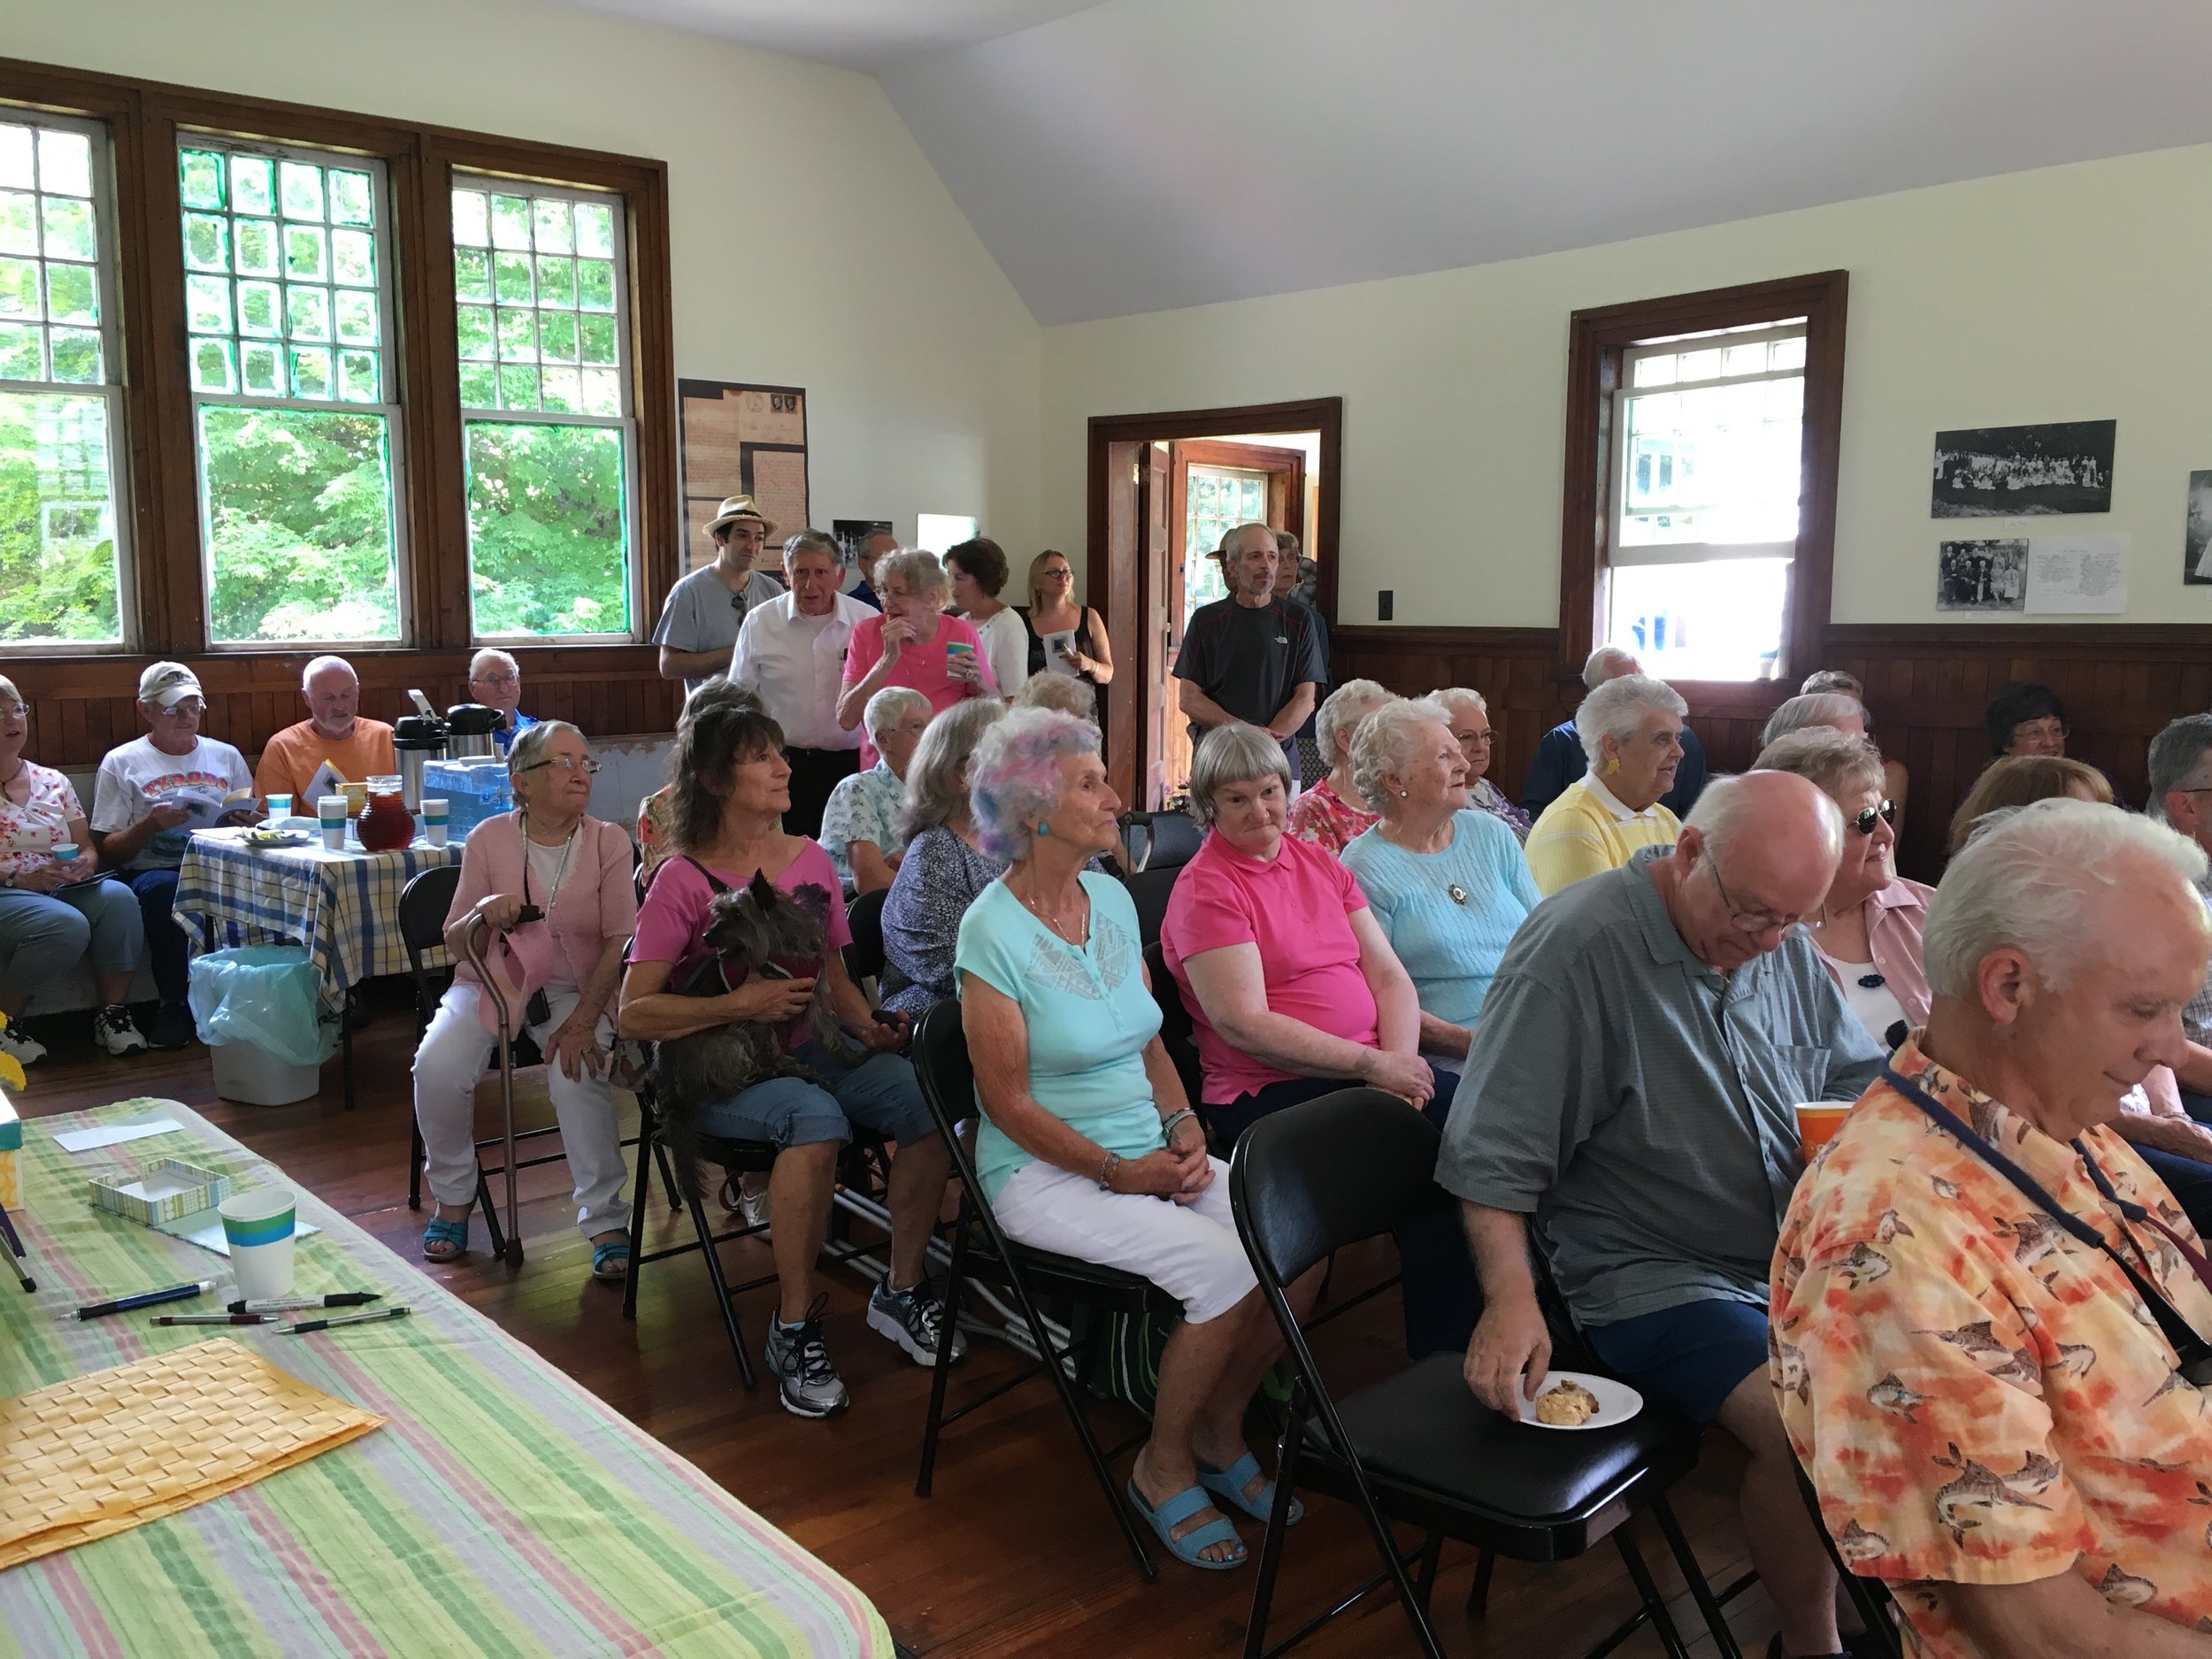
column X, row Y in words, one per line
column 1566, row 1405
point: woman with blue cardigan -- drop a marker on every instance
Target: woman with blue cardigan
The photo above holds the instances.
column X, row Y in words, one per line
column 1447, row 883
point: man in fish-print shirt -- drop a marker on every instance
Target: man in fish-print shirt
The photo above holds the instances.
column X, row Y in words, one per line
column 1996, row 1423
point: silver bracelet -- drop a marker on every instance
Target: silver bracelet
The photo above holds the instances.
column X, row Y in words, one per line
column 1168, row 1123
column 1106, row 1171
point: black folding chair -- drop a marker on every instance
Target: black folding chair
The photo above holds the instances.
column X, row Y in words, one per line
column 1176, row 1033
column 1160, row 841
column 1149, row 890
column 863, row 957
column 1418, row 1446
column 980, row 1250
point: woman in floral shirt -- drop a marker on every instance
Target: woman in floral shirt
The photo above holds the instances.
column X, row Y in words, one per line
column 1470, row 725
column 1330, row 813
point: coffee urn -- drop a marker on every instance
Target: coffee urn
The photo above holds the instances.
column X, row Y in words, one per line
column 417, row 740
column 469, row 732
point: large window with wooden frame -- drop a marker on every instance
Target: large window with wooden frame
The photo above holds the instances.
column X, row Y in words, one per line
column 275, row 378
column 1701, row 480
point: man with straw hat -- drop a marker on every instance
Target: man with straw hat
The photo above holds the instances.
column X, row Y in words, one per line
column 699, row 624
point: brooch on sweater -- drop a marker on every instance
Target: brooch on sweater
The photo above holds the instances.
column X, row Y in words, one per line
column 1456, row 894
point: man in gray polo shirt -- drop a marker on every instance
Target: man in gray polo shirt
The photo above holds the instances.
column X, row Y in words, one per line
column 1630, row 1090
column 699, row 623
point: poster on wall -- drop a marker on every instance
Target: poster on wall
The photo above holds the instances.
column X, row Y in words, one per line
column 2078, row 576
column 1982, row 575
column 2196, row 571
column 2022, row 471
column 742, row 439
column 850, row 533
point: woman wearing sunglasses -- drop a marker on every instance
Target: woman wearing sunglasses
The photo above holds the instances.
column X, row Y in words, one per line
column 1868, row 926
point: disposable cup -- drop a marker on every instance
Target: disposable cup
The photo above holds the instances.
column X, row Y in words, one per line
column 331, row 810
column 958, row 647
column 280, row 808
column 258, row 1226
column 437, row 816
column 66, row 852
column 1817, row 1122
column 435, row 832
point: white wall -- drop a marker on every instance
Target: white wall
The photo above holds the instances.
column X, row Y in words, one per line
column 2073, row 293
column 813, row 245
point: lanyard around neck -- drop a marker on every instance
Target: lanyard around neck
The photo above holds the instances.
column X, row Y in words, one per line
column 560, row 871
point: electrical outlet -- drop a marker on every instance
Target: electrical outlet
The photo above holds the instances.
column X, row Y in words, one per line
column 1384, row 602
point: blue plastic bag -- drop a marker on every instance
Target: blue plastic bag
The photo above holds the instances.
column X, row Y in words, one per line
column 269, row 995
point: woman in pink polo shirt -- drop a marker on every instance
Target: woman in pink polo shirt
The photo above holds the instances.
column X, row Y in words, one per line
column 912, row 643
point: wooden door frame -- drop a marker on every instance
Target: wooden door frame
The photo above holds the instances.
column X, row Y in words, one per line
column 1133, row 654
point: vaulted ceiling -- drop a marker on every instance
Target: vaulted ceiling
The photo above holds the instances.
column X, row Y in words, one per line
column 1138, row 155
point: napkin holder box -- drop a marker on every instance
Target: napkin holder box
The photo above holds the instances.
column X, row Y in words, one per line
column 170, row 1189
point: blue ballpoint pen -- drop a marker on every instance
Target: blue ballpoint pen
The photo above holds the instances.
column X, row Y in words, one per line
column 152, row 1298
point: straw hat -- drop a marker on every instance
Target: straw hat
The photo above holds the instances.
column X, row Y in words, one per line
column 738, row 507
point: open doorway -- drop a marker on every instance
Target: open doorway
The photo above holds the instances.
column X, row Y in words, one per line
column 1165, row 488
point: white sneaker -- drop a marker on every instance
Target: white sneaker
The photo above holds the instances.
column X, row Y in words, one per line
column 115, row 1033
column 20, row 1047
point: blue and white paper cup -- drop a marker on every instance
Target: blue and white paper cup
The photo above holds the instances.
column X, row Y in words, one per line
column 259, row 1226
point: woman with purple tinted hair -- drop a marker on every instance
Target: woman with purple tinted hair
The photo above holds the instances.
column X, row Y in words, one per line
column 1086, row 1129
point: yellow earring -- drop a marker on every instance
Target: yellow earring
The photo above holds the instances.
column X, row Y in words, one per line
column 1612, row 766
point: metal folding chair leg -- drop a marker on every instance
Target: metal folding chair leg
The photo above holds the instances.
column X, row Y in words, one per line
column 1654, row 1607
column 416, row 1153
column 1701, row 1589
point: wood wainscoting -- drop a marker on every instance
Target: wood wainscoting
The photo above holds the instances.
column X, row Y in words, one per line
column 83, row 706
column 1925, row 686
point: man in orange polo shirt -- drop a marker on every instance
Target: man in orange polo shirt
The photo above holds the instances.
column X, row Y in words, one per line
column 334, row 731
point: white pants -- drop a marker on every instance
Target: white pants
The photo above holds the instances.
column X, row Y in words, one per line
column 1191, row 1251
column 456, row 1052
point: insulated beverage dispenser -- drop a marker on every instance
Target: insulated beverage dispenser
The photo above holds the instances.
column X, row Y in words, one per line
column 469, row 729
column 418, row 740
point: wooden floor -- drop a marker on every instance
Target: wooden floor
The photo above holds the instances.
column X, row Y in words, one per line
column 1016, row 1554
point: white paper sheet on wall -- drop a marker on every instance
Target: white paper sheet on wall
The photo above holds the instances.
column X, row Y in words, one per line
column 2078, row 576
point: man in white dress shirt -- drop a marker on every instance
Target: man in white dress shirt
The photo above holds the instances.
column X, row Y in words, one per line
column 791, row 650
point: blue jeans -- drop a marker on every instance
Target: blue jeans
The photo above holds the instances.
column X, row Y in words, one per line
column 881, row 1093
column 2187, row 1180
column 157, row 891
column 43, row 936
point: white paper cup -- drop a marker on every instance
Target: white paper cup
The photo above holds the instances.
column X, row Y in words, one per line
column 259, row 1226
column 280, row 808
column 66, row 852
column 331, row 810
column 435, row 816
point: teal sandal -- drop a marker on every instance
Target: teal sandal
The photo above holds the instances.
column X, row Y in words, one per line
column 610, row 1260
column 1229, row 1484
column 1180, row 1508
column 442, row 1230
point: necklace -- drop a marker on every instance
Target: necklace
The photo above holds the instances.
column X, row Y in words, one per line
column 1045, row 916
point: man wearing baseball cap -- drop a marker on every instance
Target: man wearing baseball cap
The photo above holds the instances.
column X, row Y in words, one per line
column 699, row 624
column 150, row 794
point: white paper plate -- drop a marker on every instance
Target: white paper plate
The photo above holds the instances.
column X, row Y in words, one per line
column 1617, row 1401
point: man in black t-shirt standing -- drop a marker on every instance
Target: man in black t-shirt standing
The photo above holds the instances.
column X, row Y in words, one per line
column 1251, row 657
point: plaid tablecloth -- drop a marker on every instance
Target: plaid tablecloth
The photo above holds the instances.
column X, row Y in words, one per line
column 502, row 1510
column 343, row 906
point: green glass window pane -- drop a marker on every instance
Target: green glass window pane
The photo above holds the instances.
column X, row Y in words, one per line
column 471, row 274
column 212, row 367
column 253, row 185
column 200, row 177
column 300, row 188
column 602, row 392
column 562, row 392
column 19, row 289
column 310, row 372
column 517, row 336
column 594, row 339
column 15, row 157
column 595, row 285
column 353, row 256
column 472, row 221
column 307, row 313
column 254, row 242
column 351, row 201
column 57, row 569
column 356, row 319
column 556, row 336
column 76, row 355
column 261, row 369
column 472, row 324
column 479, row 385
column 306, row 253
column 510, row 279
column 546, row 561
column 333, row 578
column 207, row 304
column 18, row 221
column 72, row 294
column 518, row 387
column 551, row 224
column 357, row 380
column 594, row 229
column 557, row 280
column 65, row 163
column 260, row 310
column 206, row 241
column 69, row 234
column 22, row 351
column 510, row 222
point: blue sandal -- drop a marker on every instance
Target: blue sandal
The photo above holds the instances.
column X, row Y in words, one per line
column 616, row 1251
column 1180, row 1508
column 1229, row 1484
column 441, row 1230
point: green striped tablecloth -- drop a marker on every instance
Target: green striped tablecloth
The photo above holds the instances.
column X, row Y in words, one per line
column 502, row 1511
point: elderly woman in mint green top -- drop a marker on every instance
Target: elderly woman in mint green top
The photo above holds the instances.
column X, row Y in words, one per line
column 1086, row 1129
column 1447, row 883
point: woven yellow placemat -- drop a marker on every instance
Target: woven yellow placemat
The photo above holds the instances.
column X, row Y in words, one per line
column 102, row 1452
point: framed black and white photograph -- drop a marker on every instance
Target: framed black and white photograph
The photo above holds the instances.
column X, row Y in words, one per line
column 1982, row 575
column 2022, row 471
column 2196, row 570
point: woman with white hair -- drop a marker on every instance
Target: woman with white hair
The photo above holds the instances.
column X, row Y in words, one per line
column 1631, row 730
column 1085, row 1125
column 1836, row 709
column 1468, row 714
column 860, row 823
column 912, row 643
column 946, row 864
column 496, row 682
column 1896, row 780
column 1447, row 884
column 1327, row 814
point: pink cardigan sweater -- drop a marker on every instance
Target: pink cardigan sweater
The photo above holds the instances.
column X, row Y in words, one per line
column 597, row 902
column 1895, row 917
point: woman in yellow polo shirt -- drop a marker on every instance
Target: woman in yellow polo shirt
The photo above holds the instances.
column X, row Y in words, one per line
column 1632, row 731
